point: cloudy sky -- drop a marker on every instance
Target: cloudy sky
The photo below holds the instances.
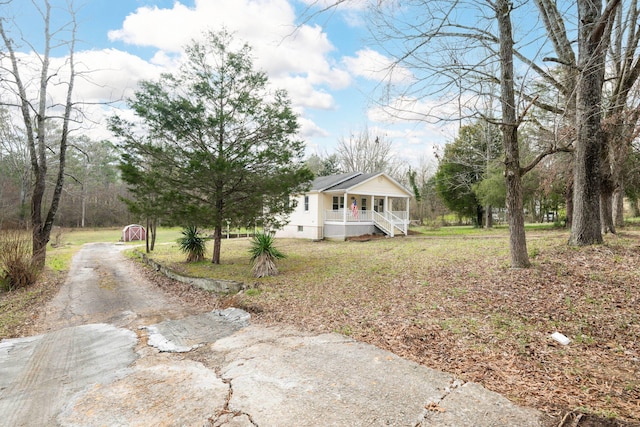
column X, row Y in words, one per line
column 322, row 60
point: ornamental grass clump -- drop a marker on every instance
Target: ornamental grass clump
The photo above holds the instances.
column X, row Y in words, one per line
column 192, row 244
column 264, row 255
column 16, row 269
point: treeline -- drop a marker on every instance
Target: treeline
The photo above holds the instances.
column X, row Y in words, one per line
column 92, row 189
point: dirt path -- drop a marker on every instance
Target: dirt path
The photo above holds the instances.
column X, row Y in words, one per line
column 102, row 288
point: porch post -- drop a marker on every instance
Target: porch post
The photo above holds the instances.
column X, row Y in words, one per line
column 407, row 203
column 373, row 199
column 387, row 208
column 407, row 221
column 344, row 211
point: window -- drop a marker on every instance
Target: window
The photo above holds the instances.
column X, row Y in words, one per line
column 300, row 228
column 306, row 204
column 338, row 202
column 363, row 204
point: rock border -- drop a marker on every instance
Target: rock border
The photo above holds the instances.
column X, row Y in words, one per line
column 219, row 286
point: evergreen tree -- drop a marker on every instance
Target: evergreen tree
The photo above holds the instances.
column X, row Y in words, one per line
column 223, row 145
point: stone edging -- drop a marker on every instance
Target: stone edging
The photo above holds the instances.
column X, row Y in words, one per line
column 213, row 285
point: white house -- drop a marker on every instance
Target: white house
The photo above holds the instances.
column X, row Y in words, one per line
column 351, row 204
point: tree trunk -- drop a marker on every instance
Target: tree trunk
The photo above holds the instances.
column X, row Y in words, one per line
column 509, row 127
column 607, row 186
column 479, row 216
column 606, row 210
column 217, row 241
column 488, row 217
column 585, row 229
column 635, row 208
column 147, row 235
column 154, row 233
column 39, row 236
column 568, row 198
column 618, row 204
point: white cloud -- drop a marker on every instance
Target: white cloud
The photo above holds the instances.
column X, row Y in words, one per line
column 409, row 109
column 156, row 27
column 418, row 128
column 111, row 74
column 269, row 26
column 374, row 66
column 338, row 4
column 308, row 129
column 303, row 94
column 295, row 57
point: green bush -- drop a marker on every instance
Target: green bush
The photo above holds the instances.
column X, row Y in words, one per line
column 263, row 255
column 192, row 244
column 16, row 269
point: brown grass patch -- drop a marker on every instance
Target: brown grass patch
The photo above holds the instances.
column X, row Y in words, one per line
column 454, row 304
column 20, row 308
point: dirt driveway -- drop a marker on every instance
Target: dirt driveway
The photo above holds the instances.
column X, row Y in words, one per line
column 118, row 352
column 102, row 288
column 90, row 336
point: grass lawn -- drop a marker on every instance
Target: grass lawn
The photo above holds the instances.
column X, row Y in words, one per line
column 451, row 302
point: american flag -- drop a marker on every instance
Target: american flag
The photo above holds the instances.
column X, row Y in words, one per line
column 354, row 208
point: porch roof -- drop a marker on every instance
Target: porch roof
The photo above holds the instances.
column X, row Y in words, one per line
column 323, row 183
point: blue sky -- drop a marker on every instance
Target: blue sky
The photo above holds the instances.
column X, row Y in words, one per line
column 324, row 63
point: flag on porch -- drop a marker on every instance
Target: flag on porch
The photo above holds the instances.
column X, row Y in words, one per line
column 354, row 208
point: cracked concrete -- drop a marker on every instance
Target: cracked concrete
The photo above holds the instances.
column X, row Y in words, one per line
column 284, row 377
column 184, row 335
column 174, row 392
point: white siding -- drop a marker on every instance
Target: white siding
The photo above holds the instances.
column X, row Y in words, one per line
column 310, row 221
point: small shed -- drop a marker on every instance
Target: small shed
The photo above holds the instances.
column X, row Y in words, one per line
column 133, row 232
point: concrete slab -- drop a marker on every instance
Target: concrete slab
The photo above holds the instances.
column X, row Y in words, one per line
column 280, row 377
column 191, row 332
column 39, row 374
column 177, row 393
column 470, row 405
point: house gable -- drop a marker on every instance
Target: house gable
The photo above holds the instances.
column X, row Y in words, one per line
column 379, row 184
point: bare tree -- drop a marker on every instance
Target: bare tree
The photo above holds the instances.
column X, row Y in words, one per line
column 37, row 109
column 14, row 156
column 622, row 111
column 368, row 153
column 456, row 60
column 586, row 225
column 582, row 86
column 510, row 123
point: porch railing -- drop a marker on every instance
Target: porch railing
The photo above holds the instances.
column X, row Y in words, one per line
column 382, row 222
column 388, row 221
column 338, row 215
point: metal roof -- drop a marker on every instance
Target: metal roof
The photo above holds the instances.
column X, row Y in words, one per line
column 351, row 182
column 322, row 183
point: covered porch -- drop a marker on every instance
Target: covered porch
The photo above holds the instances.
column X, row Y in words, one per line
column 353, row 214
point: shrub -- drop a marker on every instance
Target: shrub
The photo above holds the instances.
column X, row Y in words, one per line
column 192, row 244
column 16, row 269
column 263, row 255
